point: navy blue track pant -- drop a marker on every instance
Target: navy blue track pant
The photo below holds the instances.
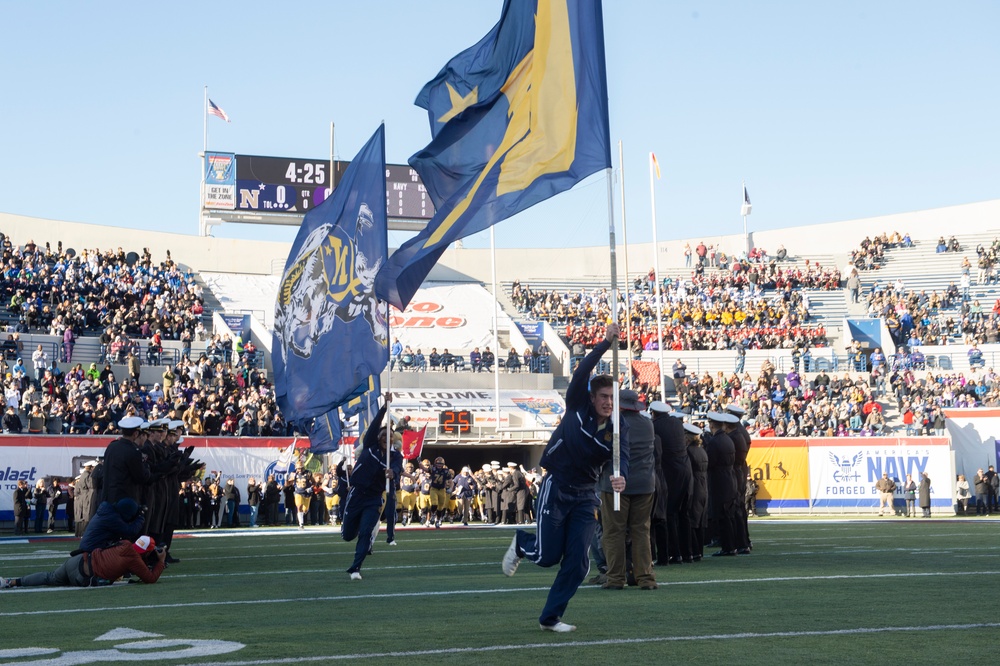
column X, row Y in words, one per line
column 361, row 518
column 566, row 520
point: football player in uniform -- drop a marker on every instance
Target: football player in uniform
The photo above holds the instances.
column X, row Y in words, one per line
column 303, row 493
column 407, row 493
column 424, row 492
column 441, row 482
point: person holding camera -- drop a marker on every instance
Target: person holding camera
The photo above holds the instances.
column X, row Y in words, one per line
column 100, row 567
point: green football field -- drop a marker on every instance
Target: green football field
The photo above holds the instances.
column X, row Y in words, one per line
column 924, row 591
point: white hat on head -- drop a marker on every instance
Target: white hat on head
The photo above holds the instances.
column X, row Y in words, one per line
column 144, row 544
column 90, row 463
column 659, row 406
column 693, row 429
column 174, row 425
column 736, row 409
column 510, row 464
column 486, row 467
column 130, row 423
column 721, row 417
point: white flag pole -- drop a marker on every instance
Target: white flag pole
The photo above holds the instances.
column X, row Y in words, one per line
column 204, row 118
column 496, row 334
column 656, row 273
column 616, row 455
column 388, row 413
column 202, row 227
column 628, row 292
column 745, row 211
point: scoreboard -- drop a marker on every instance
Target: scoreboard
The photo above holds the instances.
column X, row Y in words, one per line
column 295, row 186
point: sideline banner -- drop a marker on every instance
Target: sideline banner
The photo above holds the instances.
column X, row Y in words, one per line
column 456, row 317
column 780, row 466
column 41, row 457
column 843, row 471
column 518, row 408
column 974, row 440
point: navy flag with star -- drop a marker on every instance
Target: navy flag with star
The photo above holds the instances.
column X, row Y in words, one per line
column 516, row 119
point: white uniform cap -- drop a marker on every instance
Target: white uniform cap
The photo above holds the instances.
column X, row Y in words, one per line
column 486, row 467
column 720, row 417
column 693, row 429
column 659, row 406
column 130, row 422
column 174, row 425
column 510, row 464
column 736, row 409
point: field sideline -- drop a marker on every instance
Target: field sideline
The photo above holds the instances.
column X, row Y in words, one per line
column 813, row 591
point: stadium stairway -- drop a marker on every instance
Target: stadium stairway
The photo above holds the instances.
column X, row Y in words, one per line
column 211, row 301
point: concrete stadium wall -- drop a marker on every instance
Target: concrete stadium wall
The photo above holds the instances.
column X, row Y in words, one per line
column 260, row 257
column 834, row 238
column 202, row 254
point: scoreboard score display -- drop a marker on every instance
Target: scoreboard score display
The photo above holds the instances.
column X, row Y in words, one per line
column 281, row 185
column 455, row 422
column 297, row 185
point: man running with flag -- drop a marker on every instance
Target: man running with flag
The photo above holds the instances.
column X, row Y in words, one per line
column 567, row 498
column 368, row 482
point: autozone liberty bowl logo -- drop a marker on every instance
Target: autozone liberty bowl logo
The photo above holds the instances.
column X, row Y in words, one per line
column 848, row 468
column 127, row 645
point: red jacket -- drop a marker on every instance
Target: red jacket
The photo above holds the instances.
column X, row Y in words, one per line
column 113, row 563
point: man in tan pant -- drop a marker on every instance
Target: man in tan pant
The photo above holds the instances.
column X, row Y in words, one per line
column 886, row 488
column 636, row 502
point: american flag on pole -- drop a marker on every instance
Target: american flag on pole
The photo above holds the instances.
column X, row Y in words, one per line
column 215, row 110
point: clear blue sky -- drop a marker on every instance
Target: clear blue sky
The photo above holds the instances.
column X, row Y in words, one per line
column 830, row 111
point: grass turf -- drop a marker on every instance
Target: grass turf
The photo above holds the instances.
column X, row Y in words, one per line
column 811, row 592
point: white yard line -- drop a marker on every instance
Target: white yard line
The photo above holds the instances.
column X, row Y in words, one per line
column 445, row 593
column 614, row 641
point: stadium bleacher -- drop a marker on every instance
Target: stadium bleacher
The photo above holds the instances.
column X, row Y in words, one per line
column 169, row 297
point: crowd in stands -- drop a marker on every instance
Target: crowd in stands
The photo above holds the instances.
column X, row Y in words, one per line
column 837, row 406
column 915, row 319
column 987, row 261
column 870, row 255
column 222, row 395
column 49, row 290
column 708, row 311
column 403, row 358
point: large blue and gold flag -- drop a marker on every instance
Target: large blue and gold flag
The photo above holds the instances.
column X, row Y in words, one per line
column 516, row 119
column 325, row 432
column 330, row 331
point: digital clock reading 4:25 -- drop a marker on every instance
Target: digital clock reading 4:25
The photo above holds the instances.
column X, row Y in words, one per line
column 455, row 422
